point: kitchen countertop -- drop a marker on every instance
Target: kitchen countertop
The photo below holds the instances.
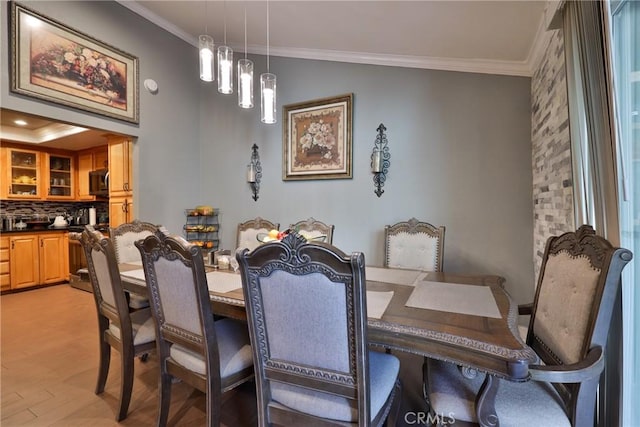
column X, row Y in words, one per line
column 70, row 228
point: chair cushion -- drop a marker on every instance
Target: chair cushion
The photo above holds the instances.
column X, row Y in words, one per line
column 233, row 347
column 565, row 304
column 137, row 302
column 383, row 373
column 144, row 329
column 413, row 250
column 527, row 404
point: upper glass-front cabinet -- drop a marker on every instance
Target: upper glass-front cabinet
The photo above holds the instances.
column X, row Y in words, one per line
column 60, row 174
column 23, row 173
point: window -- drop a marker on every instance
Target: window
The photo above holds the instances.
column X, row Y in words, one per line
column 625, row 28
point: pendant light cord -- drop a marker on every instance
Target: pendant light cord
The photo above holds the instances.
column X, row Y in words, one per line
column 225, row 22
column 205, row 18
column 245, row 32
column 267, row 36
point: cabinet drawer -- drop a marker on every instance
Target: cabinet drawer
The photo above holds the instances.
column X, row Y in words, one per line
column 4, row 254
column 5, row 281
column 4, row 267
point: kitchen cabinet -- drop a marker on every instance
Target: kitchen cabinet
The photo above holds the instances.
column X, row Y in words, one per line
column 54, row 258
column 85, row 165
column 24, row 256
column 59, row 176
column 89, row 160
column 120, row 210
column 21, row 178
column 38, row 259
column 120, row 167
column 5, row 276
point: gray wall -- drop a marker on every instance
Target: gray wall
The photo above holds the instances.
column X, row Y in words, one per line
column 460, row 148
column 460, row 156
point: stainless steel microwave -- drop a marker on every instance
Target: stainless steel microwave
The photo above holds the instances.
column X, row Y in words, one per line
column 99, row 182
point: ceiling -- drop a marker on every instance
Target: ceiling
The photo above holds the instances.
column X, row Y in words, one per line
column 495, row 37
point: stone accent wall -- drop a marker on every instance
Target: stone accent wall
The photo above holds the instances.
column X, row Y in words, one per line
column 551, row 156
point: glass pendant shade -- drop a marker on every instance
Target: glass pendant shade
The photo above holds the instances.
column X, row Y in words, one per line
column 225, row 70
column 205, row 45
column 268, row 98
column 245, row 83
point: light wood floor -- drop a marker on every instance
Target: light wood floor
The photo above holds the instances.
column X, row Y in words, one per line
column 49, row 359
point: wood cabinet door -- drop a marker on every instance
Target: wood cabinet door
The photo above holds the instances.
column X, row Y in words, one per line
column 120, row 176
column 59, row 176
column 85, row 165
column 24, row 263
column 120, row 211
column 101, row 158
column 53, row 258
column 22, row 174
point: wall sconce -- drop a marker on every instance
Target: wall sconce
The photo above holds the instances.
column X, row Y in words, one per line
column 380, row 160
column 254, row 172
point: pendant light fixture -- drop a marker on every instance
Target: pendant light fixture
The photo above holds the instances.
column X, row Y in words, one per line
column 268, row 88
column 245, row 74
column 205, row 47
column 225, row 62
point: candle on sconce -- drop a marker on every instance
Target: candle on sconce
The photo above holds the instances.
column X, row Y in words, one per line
column 376, row 162
column 251, row 173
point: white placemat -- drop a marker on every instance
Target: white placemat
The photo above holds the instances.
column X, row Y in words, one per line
column 454, row 297
column 135, row 263
column 217, row 281
column 134, row 274
column 377, row 303
column 223, row 282
column 393, row 275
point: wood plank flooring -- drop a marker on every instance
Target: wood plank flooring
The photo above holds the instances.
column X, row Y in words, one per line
column 49, row 360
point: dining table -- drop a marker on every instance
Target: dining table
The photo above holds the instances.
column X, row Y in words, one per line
column 469, row 320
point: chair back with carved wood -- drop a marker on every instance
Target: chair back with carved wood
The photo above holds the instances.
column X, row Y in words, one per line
column 306, row 309
column 314, row 230
column 414, row 245
column 248, row 232
column 212, row 357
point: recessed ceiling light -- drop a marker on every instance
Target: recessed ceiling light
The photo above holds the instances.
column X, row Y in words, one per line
column 20, row 122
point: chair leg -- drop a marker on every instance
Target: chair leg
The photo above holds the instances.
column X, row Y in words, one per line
column 105, row 360
column 164, row 398
column 126, row 383
column 214, row 397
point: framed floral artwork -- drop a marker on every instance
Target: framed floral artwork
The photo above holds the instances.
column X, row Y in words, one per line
column 55, row 63
column 317, row 139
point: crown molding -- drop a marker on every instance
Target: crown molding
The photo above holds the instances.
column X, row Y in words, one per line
column 511, row 68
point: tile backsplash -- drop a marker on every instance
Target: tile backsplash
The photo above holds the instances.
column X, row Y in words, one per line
column 27, row 208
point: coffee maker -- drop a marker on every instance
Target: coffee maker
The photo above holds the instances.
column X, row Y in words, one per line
column 82, row 216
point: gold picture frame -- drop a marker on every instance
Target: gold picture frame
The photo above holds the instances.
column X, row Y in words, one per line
column 317, row 142
column 55, row 63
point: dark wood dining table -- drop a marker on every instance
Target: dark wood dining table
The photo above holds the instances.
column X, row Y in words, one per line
column 489, row 344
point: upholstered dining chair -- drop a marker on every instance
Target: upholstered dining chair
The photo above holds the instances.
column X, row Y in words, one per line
column 132, row 334
column 124, row 237
column 414, row 245
column 313, row 228
column 306, row 309
column 248, row 232
column 568, row 329
column 211, row 356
